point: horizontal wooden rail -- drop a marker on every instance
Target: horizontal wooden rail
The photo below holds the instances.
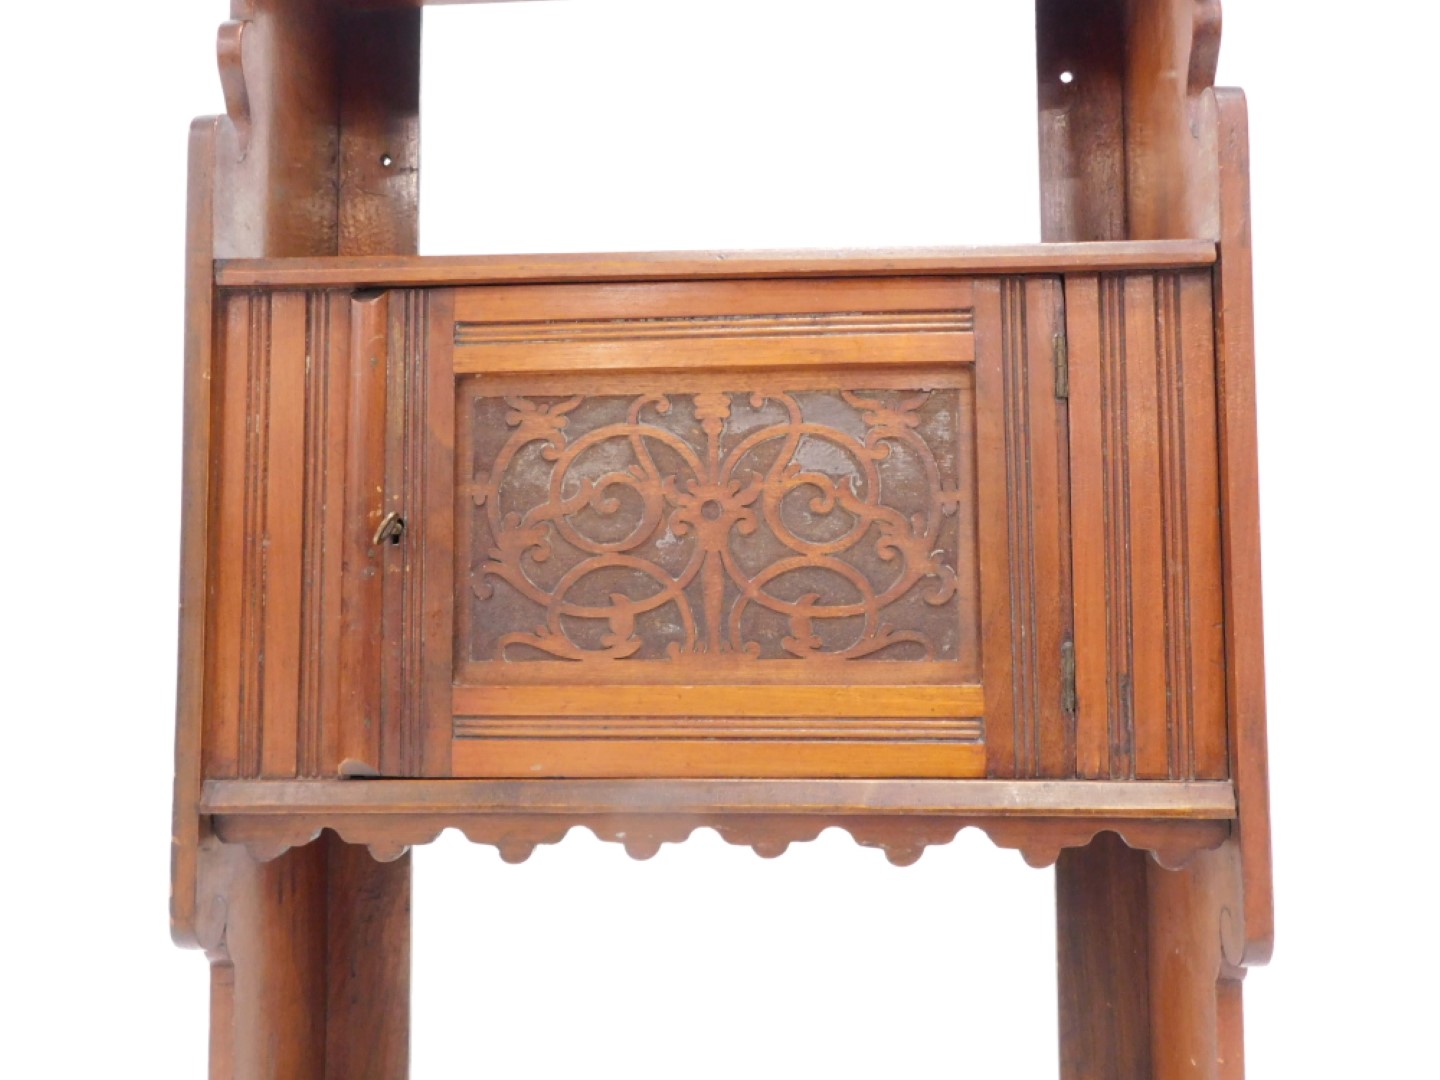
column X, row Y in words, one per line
column 413, row 271
column 1199, row 800
column 727, row 701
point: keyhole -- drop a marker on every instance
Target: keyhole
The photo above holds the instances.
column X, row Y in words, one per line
column 391, row 528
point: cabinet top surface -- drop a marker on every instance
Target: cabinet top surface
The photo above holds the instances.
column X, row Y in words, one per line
column 415, row 270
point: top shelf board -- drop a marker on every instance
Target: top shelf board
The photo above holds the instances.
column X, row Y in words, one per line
column 451, row 270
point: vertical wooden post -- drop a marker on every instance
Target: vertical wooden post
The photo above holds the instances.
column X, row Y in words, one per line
column 1132, row 147
column 1102, row 937
column 367, row 1031
column 318, row 155
column 1080, row 70
column 1102, row 920
column 1194, row 988
column 1149, row 973
column 310, row 964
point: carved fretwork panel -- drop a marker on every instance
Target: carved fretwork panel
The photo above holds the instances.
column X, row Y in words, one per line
column 1149, row 642
column 792, row 525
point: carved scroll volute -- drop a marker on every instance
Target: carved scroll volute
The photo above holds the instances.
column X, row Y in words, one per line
column 1170, row 167
column 229, row 49
column 1204, row 48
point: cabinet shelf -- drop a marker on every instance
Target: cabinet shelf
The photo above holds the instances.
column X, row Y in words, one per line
column 413, row 271
column 1039, row 818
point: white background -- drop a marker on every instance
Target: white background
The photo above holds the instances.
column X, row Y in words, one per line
column 695, row 123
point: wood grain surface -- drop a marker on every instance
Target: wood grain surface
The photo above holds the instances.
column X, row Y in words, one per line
column 1046, row 798
column 309, row 953
column 1048, row 449
column 396, row 271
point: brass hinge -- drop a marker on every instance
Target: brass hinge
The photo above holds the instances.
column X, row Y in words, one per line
column 1067, row 677
column 1062, row 367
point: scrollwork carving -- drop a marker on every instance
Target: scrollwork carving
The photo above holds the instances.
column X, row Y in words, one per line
column 769, row 525
column 229, row 48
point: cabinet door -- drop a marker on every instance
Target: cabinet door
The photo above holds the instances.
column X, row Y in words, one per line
column 722, row 529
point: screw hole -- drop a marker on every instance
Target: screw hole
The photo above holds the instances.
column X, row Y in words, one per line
column 1067, row 77
column 386, row 160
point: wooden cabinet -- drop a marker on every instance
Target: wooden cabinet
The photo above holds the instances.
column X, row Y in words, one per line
column 900, row 542
column 953, row 525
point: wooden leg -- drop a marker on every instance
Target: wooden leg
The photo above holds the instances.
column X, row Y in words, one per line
column 1102, row 941
column 1232, row 1029
column 368, row 1033
column 1196, row 1030
column 1146, row 989
column 310, row 977
column 222, row 1018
